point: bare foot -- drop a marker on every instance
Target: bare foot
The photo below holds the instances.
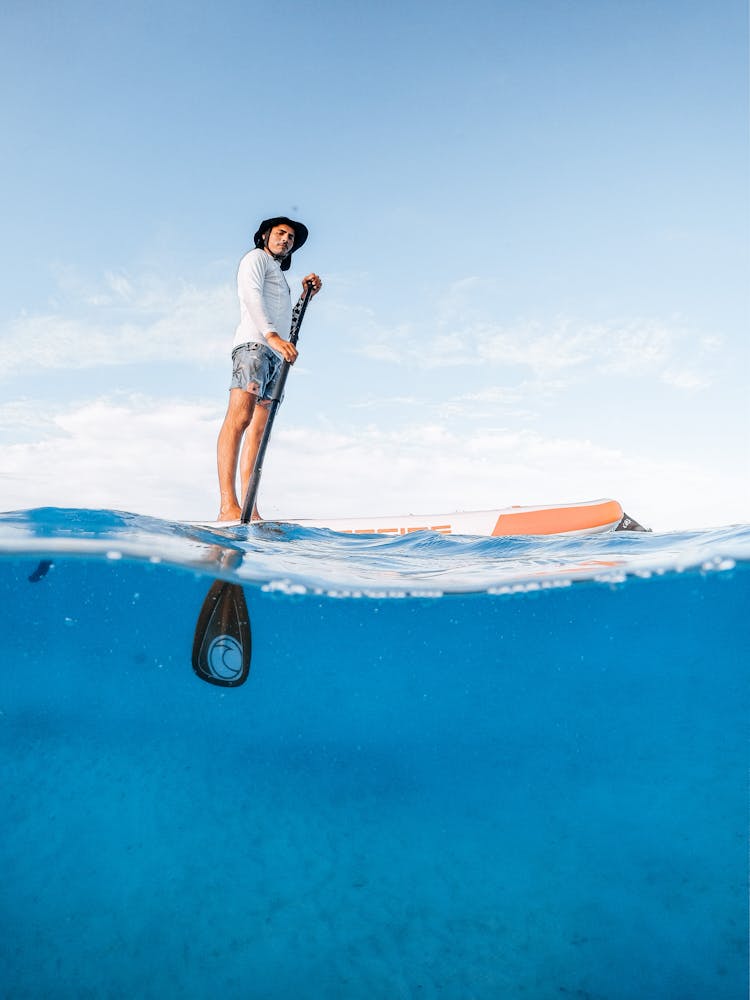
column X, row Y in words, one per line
column 231, row 512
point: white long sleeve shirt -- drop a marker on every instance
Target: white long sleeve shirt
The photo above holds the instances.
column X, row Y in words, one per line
column 265, row 299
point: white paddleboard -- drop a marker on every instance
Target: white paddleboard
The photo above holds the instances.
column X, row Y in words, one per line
column 557, row 519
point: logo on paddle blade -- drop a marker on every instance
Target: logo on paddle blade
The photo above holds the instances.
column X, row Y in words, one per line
column 224, row 658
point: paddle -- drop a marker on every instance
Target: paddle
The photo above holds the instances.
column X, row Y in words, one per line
column 223, row 641
column 254, row 481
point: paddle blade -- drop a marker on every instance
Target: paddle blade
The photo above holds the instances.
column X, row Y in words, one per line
column 223, row 643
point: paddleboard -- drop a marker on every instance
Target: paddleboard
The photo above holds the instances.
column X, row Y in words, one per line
column 586, row 517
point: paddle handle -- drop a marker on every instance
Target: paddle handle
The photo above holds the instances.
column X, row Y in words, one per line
column 254, row 481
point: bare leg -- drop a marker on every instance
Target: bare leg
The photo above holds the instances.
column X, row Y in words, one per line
column 237, row 420
column 250, row 449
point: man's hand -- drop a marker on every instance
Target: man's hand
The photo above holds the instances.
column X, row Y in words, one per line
column 314, row 281
column 286, row 350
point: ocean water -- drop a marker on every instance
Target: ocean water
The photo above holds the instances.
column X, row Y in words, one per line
column 459, row 768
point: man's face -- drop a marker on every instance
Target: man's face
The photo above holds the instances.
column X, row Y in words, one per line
column 281, row 239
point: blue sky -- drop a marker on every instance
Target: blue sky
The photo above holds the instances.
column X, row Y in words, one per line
column 531, row 219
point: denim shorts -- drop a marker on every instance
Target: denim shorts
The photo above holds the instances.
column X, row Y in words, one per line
column 256, row 369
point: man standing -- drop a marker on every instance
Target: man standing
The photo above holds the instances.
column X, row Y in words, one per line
column 260, row 348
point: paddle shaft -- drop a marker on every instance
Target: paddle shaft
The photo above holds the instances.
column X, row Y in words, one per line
column 254, row 481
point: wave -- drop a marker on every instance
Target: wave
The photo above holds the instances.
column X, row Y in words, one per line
column 287, row 558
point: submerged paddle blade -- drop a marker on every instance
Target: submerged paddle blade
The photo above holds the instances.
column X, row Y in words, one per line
column 223, row 643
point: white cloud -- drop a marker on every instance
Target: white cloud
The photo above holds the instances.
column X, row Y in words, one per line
column 21, row 417
column 381, row 352
column 685, row 379
column 120, row 285
column 459, row 333
column 521, row 391
column 634, row 348
column 157, row 457
column 541, row 348
column 126, row 452
column 125, row 318
column 120, row 322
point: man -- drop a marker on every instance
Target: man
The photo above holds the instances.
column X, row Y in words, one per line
column 260, row 347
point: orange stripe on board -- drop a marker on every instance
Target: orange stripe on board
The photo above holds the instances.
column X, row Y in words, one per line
column 557, row 520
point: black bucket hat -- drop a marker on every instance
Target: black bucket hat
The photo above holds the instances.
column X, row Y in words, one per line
column 300, row 235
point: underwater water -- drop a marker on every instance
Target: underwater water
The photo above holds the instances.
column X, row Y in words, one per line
column 459, row 768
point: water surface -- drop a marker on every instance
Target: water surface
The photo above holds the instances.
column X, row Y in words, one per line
column 460, row 768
